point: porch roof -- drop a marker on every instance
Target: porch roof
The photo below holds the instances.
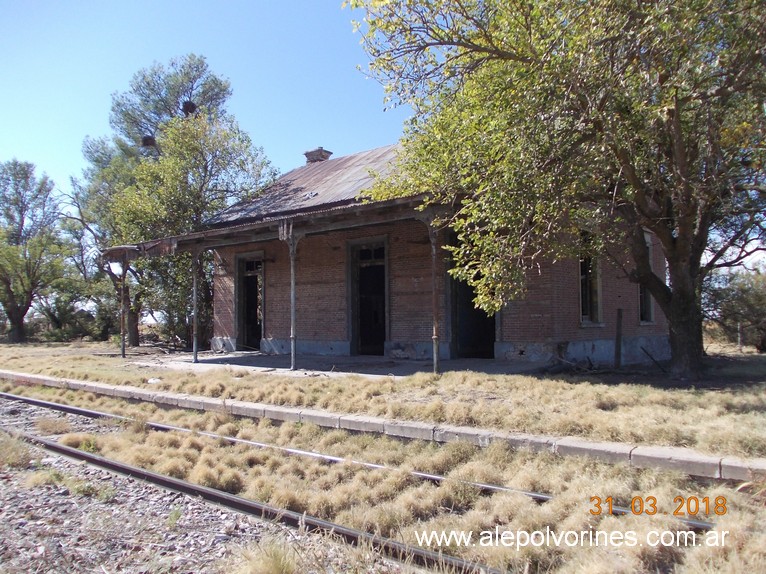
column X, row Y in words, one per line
column 316, row 197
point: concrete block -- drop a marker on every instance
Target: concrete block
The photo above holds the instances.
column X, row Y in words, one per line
column 213, row 404
column 362, row 423
column 606, row 451
column 101, row 389
column 137, row 394
column 43, row 382
column 77, row 385
column 279, row 413
column 537, row 443
column 676, row 458
column 167, row 398
column 733, row 468
column 409, row 429
column 320, row 418
column 32, row 380
column 245, row 409
column 190, row 402
column 449, row 433
column 122, row 392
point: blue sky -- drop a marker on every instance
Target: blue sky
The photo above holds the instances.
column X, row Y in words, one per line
column 292, row 65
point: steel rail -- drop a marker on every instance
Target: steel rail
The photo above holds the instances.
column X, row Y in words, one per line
column 435, row 478
column 391, row 548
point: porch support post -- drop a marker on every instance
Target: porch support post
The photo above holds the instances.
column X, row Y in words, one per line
column 433, row 235
column 286, row 234
column 195, row 306
column 123, row 273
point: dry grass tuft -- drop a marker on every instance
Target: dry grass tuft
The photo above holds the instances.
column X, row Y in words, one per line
column 208, row 472
column 396, row 504
column 14, row 453
column 269, row 557
column 53, row 425
column 83, row 441
column 632, row 408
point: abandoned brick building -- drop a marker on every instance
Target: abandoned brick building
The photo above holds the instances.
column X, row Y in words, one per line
column 310, row 265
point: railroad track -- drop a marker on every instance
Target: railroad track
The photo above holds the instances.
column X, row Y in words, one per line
column 387, row 546
column 393, row 549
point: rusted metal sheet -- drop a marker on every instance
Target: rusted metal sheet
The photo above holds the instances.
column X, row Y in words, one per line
column 314, row 186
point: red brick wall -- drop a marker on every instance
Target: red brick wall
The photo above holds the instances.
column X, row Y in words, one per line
column 550, row 313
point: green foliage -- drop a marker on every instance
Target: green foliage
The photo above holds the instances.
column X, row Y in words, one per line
column 157, row 94
column 737, row 302
column 205, row 162
column 199, row 161
column 30, row 250
column 536, row 120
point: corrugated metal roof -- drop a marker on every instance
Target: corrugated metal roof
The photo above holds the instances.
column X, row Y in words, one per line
column 314, row 186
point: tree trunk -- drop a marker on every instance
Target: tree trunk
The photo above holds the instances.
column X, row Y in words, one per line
column 132, row 320
column 685, row 319
column 132, row 308
column 17, row 332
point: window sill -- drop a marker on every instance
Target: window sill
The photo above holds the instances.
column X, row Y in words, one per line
column 591, row 325
column 646, row 323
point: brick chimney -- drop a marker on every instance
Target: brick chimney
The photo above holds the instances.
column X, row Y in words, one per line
column 318, row 154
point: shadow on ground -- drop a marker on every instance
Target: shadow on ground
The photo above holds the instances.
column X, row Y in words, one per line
column 362, row 365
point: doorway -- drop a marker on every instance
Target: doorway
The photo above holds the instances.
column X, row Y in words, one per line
column 473, row 331
column 369, row 294
column 251, row 303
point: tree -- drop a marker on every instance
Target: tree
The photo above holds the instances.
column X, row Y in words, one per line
column 539, row 121
column 159, row 93
column 737, row 303
column 93, row 225
column 30, row 251
column 156, row 95
column 205, row 164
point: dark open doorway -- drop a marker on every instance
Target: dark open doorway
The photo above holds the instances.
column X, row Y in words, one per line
column 251, row 303
column 368, row 299
column 473, row 331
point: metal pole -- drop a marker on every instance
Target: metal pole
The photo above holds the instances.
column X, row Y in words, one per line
column 433, row 236
column 292, row 245
column 286, row 234
column 195, row 272
column 124, row 272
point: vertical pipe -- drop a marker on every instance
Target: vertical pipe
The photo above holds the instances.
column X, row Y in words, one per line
column 124, row 272
column 195, row 272
column 433, row 236
column 291, row 243
column 286, row 234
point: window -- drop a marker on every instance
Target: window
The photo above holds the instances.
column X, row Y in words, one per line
column 589, row 291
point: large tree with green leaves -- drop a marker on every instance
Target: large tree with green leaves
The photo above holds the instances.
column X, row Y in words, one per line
column 205, row 163
column 30, row 250
column 538, row 120
column 159, row 93
column 92, row 223
column 175, row 158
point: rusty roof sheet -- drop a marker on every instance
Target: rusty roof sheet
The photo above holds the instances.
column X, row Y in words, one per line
column 314, row 186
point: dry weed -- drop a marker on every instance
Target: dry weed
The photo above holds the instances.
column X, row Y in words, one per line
column 14, row 453
column 53, row 425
